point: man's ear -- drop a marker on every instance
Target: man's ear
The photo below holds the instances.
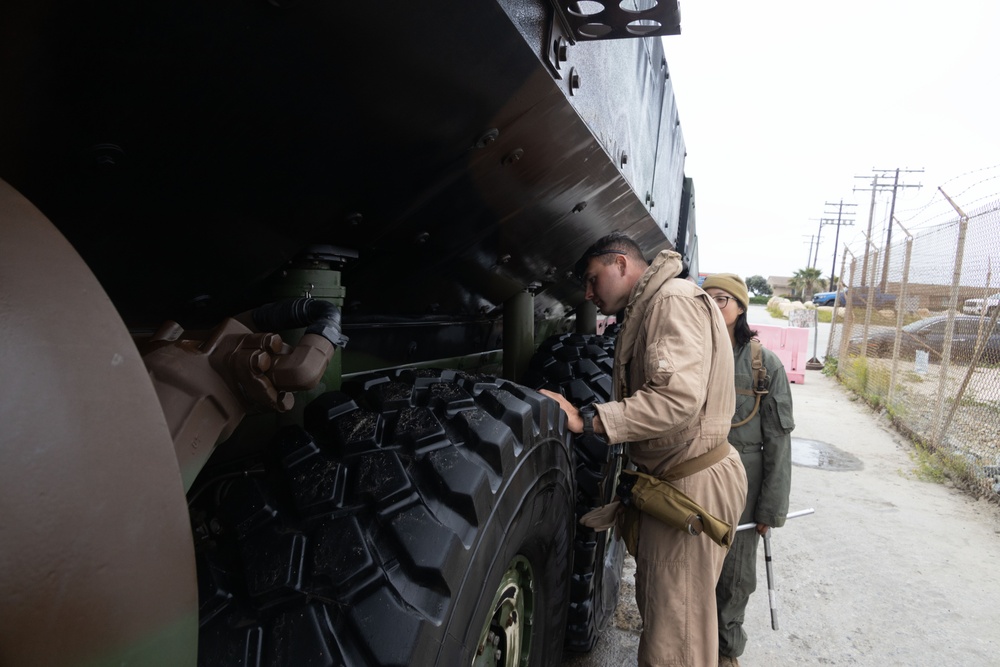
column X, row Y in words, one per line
column 622, row 262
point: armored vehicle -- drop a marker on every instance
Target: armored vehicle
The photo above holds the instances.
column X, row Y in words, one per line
column 279, row 282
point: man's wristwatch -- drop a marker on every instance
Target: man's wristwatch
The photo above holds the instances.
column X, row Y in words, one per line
column 587, row 412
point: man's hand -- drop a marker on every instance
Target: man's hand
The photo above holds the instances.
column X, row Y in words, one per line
column 762, row 528
column 575, row 421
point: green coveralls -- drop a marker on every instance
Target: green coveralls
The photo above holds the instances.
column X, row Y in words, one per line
column 764, row 445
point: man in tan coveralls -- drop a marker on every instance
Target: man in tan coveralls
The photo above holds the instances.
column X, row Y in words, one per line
column 673, row 379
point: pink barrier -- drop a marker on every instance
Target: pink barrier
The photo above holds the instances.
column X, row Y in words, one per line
column 790, row 345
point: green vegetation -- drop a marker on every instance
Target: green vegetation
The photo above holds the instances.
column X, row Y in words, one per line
column 970, row 400
column 855, row 375
column 775, row 311
column 877, row 389
column 877, row 318
column 758, row 286
column 878, row 378
column 827, row 315
column 762, row 299
column 805, row 281
column 934, row 465
column 869, row 380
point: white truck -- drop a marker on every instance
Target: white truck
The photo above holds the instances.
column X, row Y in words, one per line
column 981, row 306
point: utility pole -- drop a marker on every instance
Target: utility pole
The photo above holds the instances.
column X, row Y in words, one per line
column 876, row 186
column 868, row 236
column 811, row 264
column 812, row 239
column 838, row 221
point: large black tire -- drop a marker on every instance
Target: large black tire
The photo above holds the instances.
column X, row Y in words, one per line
column 579, row 366
column 420, row 518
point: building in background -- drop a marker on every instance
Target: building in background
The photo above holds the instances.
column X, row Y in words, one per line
column 780, row 285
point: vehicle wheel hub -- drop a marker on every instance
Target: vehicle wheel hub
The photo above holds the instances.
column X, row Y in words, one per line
column 506, row 637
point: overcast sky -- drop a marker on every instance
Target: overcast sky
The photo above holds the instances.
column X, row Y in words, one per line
column 783, row 102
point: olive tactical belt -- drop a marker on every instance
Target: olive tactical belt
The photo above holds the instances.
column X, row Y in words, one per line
column 659, row 498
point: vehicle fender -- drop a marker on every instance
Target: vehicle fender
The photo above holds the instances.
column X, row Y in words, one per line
column 96, row 554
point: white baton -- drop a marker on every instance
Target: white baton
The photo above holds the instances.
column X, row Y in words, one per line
column 772, row 594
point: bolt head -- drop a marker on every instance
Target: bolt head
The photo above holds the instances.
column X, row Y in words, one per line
column 562, row 50
column 487, row 137
column 512, row 157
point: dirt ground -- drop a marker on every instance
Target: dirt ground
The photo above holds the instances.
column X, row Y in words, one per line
column 889, row 570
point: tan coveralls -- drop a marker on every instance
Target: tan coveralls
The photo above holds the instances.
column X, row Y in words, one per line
column 674, row 366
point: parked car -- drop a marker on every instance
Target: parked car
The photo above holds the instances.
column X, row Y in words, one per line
column 981, row 306
column 828, row 298
column 859, row 298
column 929, row 334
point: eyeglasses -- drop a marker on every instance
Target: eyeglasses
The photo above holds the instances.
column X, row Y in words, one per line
column 721, row 301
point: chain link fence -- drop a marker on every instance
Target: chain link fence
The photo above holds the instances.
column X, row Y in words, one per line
column 918, row 336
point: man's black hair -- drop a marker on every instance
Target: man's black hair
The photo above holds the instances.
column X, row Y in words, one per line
column 742, row 333
column 615, row 243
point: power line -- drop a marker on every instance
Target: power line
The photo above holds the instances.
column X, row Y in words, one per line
column 896, row 186
column 838, row 221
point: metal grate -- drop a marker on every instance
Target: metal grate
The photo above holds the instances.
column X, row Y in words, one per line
column 590, row 20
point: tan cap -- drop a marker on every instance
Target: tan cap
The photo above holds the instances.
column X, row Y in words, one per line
column 731, row 283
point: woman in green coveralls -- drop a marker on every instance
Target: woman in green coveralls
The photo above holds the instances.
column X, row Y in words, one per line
column 764, row 444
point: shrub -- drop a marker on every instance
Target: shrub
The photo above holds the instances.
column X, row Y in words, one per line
column 855, row 375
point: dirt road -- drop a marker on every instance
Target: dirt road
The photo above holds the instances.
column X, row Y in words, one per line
column 889, row 570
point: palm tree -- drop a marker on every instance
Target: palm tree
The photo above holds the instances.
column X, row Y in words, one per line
column 804, row 281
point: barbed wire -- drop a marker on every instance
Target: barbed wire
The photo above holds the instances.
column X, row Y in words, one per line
column 969, row 173
column 935, row 199
column 949, row 215
column 933, row 214
column 930, row 226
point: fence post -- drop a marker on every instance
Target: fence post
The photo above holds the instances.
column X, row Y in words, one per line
column 900, row 304
column 949, row 330
column 836, row 298
column 871, row 292
column 976, row 356
column 848, row 319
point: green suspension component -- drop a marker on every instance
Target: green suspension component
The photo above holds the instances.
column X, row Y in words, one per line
column 318, row 282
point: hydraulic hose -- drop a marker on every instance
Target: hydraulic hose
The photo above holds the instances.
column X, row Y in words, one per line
column 318, row 316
